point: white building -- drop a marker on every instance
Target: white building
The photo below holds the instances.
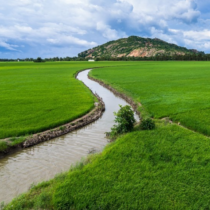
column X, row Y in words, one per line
column 91, row 60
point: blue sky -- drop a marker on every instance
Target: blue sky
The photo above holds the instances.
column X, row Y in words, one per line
column 49, row 28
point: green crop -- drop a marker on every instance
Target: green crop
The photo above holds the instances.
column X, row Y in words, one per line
column 179, row 90
column 166, row 168
column 39, row 96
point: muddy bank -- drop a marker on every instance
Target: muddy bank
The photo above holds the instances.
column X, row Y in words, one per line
column 121, row 95
column 69, row 127
column 92, row 116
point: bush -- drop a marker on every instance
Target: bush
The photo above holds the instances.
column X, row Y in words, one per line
column 124, row 119
column 147, row 124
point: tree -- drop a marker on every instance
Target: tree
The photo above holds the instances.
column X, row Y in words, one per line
column 38, row 60
column 124, row 119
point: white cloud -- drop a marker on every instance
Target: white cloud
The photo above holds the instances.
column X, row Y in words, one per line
column 8, row 46
column 71, row 40
column 83, row 23
column 23, row 29
column 106, row 31
column 183, row 10
column 198, row 35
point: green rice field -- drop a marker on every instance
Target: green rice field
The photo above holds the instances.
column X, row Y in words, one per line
column 179, row 90
column 165, row 168
column 36, row 97
column 40, row 96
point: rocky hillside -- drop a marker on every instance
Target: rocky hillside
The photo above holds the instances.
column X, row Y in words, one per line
column 135, row 46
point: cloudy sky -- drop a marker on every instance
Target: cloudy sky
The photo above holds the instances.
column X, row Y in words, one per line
column 48, row 28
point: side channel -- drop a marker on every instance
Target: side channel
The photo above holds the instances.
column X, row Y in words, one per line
column 43, row 161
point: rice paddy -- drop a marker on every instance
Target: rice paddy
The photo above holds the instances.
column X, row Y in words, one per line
column 179, row 90
column 166, row 168
column 39, row 96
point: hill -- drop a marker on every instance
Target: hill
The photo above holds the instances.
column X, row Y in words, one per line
column 135, row 46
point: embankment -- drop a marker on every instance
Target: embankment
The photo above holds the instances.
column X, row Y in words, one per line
column 119, row 94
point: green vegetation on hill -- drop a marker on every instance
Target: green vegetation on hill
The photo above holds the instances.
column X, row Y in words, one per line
column 123, row 47
column 167, row 168
column 179, row 90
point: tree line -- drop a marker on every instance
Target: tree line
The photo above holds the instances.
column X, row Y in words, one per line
column 175, row 57
column 39, row 59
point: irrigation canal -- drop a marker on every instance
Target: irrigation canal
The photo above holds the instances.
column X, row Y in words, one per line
column 42, row 162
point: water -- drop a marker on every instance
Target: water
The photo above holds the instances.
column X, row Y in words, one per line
column 43, row 161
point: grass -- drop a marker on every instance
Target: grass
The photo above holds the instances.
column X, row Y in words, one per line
column 3, row 146
column 179, row 90
column 135, row 172
column 17, row 140
column 39, row 96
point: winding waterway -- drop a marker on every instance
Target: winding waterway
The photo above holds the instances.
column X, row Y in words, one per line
column 43, row 161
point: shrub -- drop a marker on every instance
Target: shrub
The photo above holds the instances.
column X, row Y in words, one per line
column 124, row 119
column 147, row 124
